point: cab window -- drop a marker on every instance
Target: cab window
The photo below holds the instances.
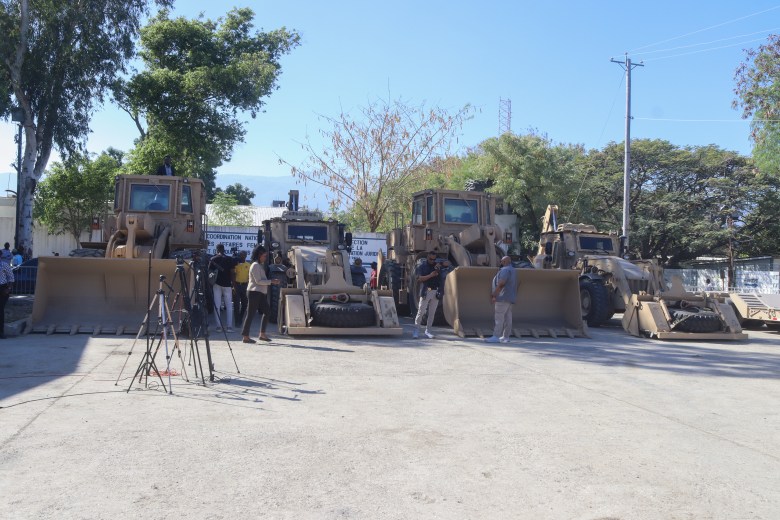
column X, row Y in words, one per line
column 186, row 199
column 417, row 212
column 461, row 211
column 150, row 197
column 430, row 209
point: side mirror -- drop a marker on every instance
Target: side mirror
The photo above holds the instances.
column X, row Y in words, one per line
column 348, row 241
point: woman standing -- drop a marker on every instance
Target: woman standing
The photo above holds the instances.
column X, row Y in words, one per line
column 257, row 294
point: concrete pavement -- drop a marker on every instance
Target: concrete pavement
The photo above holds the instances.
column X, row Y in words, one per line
column 612, row 427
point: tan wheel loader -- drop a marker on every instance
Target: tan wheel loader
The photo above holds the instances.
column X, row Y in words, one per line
column 105, row 286
column 460, row 226
column 315, row 296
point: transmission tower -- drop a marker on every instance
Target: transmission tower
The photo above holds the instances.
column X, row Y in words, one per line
column 504, row 116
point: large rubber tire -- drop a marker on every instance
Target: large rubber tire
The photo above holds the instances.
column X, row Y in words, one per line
column 772, row 325
column 594, row 300
column 274, row 292
column 87, row 253
column 343, row 315
column 695, row 321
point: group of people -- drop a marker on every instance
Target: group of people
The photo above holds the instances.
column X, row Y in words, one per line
column 250, row 284
column 503, row 293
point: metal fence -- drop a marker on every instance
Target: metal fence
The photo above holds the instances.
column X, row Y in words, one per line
column 24, row 279
column 745, row 280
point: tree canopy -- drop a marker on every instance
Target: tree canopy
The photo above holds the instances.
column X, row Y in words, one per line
column 199, row 77
column 76, row 190
column 758, row 95
column 57, row 59
column 371, row 161
column 225, row 211
column 239, row 192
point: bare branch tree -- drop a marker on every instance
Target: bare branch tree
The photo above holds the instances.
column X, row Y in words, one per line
column 365, row 162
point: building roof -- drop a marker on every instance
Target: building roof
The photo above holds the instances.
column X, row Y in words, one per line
column 258, row 213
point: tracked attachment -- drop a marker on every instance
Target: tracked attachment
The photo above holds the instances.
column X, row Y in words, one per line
column 679, row 315
column 548, row 303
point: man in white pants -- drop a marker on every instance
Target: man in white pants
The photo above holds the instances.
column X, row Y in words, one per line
column 503, row 294
column 428, row 276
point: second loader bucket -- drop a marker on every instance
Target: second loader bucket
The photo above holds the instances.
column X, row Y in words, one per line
column 548, row 302
column 96, row 295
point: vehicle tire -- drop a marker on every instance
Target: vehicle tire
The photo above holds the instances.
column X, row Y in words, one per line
column 695, row 320
column 87, row 253
column 594, row 301
column 343, row 315
column 751, row 324
column 274, row 292
column 772, row 325
column 393, row 273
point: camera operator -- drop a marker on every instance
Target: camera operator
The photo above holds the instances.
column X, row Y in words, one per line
column 429, row 275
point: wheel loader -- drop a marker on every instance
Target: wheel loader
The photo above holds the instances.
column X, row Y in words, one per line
column 309, row 255
column 105, row 286
column 609, row 284
column 460, row 226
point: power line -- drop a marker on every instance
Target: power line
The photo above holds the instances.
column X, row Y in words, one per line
column 706, row 50
column 705, row 29
column 707, row 120
column 709, row 42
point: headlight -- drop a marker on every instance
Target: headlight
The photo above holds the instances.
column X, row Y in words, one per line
column 275, row 245
column 342, row 247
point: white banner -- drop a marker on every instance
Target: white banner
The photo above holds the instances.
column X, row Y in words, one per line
column 234, row 241
column 366, row 246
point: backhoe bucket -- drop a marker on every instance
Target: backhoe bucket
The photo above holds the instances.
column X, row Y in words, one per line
column 97, row 295
column 548, row 303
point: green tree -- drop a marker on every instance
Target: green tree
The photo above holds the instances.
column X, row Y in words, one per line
column 758, row 96
column 76, row 190
column 225, row 211
column 371, row 162
column 681, row 197
column 199, row 77
column 238, row 191
column 529, row 172
column 56, row 61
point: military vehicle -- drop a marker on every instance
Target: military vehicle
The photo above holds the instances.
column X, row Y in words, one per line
column 610, row 284
column 460, row 226
column 309, row 255
column 104, row 287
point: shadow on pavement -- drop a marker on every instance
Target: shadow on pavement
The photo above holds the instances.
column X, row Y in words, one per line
column 30, row 361
column 616, row 348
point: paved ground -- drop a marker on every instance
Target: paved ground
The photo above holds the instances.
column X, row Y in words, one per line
column 612, row 427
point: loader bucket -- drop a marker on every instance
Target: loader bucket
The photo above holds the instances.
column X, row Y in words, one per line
column 548, row 303
column 97, row 295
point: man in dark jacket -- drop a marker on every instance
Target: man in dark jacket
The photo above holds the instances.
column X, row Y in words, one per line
column 166, row 168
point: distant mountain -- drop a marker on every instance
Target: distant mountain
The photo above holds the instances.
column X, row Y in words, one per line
column 269, row 189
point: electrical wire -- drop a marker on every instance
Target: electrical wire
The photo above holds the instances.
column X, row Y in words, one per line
column 603, row 129
column 706, row 43
column 707, row 50
column 706, row 29
column 707, row 120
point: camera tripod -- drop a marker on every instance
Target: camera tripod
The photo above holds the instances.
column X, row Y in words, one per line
column 164, row 325
column 196, row 319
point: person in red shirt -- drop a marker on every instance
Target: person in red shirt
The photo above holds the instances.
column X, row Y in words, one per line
column 374, row 274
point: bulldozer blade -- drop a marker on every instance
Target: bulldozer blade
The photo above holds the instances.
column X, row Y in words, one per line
column 97, row 295
column 548, row 303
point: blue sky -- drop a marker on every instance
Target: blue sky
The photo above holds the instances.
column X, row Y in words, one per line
column 551, row 59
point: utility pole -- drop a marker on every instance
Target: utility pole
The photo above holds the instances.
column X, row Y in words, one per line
column 627, row 66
